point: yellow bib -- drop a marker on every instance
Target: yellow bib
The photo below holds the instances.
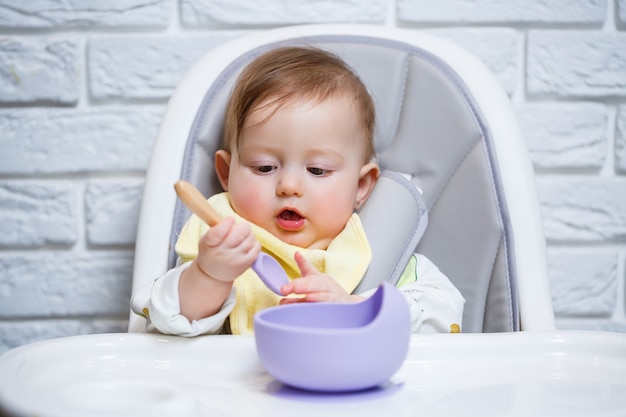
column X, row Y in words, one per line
column 346, row 259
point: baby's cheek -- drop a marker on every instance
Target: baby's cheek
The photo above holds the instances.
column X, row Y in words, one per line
column 334, row 212
column 249, row 205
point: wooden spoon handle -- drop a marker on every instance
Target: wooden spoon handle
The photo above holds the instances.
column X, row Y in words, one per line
column 196, row 202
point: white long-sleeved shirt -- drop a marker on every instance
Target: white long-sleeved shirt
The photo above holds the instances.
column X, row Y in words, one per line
column 435, row 305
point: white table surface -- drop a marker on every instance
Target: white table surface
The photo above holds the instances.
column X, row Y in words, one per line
column 566, row 373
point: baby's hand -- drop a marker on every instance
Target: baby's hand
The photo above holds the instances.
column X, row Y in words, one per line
column 227, row 249
column 315, row 286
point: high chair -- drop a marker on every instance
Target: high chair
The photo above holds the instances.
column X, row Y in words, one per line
column 445, row 128
column 449, row 144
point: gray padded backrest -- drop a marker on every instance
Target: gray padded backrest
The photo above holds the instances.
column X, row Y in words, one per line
column 390, row 255
column 430, row 130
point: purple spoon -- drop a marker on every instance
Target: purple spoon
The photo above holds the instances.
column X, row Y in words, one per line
column 266, row 267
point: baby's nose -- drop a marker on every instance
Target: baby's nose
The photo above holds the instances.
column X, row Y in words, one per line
column 289, row 183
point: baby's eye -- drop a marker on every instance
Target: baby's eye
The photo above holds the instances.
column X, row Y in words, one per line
column 317, row 171
column 264, row 169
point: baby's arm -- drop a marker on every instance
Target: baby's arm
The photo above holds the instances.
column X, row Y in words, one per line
column 436, row 305
column 163, row 301
column 224, row 252
column 158, row 302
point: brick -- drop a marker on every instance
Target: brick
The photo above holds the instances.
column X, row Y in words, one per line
column 251, row 12
column 496, row 48
column 144, row 68
column 17, row 333
column 36, row 213
column 497, row 11
column 583, row 283
column 52, row 140
column 113, row 211
column 81, row 14
column 583, row 209
column 565, row 135
column 65, row 284
column 34, row 70
column 576, row 63
column 620, row 141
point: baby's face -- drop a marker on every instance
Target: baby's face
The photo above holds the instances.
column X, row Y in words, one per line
column 297, row 175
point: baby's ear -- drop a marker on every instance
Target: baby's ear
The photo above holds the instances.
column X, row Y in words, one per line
column 222, row 167
column 367, row 180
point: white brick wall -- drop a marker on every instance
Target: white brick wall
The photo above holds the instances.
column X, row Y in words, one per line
column 83, row 86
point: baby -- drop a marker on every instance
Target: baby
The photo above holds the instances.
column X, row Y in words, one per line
column 296, row 164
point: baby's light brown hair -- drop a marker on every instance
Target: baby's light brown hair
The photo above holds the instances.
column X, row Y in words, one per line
column 286, row 74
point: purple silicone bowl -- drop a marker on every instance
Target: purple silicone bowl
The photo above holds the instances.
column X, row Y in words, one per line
column 335, row 347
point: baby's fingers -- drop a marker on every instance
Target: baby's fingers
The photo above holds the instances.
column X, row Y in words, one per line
column 292, row 300
column 240, row 235
column 310, row 288
column 218, row 233
column 306, row 268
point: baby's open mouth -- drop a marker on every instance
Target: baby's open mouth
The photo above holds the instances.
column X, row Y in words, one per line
column 290, row 215
column 290, row 220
